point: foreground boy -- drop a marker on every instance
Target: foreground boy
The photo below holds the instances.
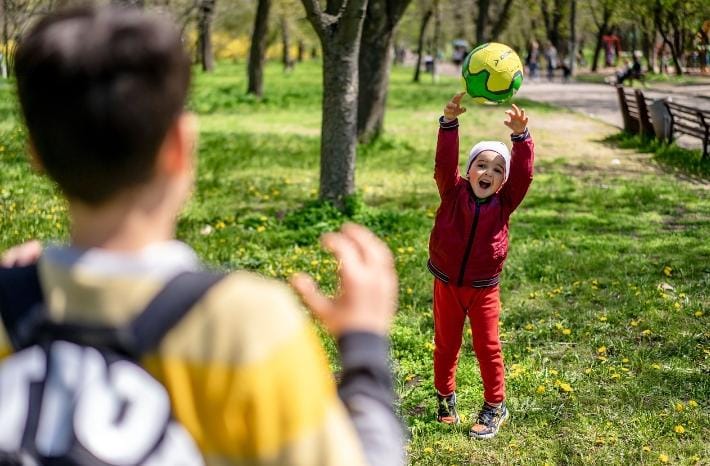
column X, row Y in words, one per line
column 467, row 249
column 102, row 91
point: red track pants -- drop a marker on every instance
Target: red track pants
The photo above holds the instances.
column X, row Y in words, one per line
column 482, row 306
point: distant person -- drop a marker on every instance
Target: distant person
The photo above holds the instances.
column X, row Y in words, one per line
column 102, row 91
column 467, row 249
column 532, row 59
column 551, row 58
column 632, row 70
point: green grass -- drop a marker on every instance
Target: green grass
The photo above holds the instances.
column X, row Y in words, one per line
column 605, row 291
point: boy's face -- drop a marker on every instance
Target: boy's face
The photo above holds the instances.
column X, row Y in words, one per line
column 486, row 174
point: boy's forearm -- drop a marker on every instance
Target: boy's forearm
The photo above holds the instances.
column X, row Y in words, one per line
column 366, row 390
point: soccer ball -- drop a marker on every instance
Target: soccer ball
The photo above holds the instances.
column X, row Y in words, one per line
column 492, row 73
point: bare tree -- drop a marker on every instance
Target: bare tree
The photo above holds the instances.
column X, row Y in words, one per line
column 485, row 31
column 602, row 12
column 375, row 61
column 339, row 27
column 426, row 17
column 204, row 33
column 285, row 43
column 257, row 51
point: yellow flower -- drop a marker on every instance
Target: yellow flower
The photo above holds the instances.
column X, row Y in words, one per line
column 566, row 331
column 601, row 350
column 565, row 387
column 430, row 346
column 625, row 360
column 663, row 458
column 428, row 450
column 529, row 327
column 699, row 313
column 646, row 332
column 692, row 404
column 599, row 441
column 646, row 448
column 615, row 376
column 602, row 318
column 410, row 249
column 540, row 389
column 679, row 407
column 587, row 370
column 679, row 429
column 400, row 250
column 667, row 271
column 260, row 228
column 656, row 366
column 314, row 262
column 676, row 306
column 554, row 372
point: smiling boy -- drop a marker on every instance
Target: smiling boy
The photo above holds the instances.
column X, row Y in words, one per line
column 467, row 249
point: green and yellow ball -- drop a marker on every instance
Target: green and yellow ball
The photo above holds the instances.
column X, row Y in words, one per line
column 492, row 72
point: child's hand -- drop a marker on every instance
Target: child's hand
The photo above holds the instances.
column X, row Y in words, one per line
column 518, row 120
column 366, row 299
column 21, row 255
column 453, row 109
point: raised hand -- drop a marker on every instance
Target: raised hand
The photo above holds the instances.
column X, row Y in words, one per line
column 366, row 299
column 453, row 109
column 517, row 121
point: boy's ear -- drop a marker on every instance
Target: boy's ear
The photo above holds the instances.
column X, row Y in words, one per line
column 176, row 153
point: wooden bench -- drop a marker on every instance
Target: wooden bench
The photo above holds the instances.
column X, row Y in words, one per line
column 634, row 111
column 691, row 122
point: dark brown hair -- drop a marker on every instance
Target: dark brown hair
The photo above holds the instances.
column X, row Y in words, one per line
column 99, row 89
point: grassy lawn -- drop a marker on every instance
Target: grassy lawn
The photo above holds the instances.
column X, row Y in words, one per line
column 605, row 291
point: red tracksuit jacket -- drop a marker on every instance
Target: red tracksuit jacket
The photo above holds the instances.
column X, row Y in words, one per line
column 469, row 241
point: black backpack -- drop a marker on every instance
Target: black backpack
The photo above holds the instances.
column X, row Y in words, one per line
column 75, row 394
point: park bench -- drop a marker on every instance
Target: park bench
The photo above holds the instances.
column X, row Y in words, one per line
column 691, row 122
column 634, row 111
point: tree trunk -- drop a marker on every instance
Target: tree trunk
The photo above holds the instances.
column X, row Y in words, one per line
column 286, row 45
column 204, row 23
column 664, row 34
column 257, row 51
column 339, row 29
column 375, row 62
column 482, row 21
column 420, row 42
column 4, row 62
column 501, row 23
column 436, row 41
column 301, row 51
column 573, row 37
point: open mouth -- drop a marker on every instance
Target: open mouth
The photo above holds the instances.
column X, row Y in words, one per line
column 484, row 184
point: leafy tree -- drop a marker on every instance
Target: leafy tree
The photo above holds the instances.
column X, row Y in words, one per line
column 339, row 27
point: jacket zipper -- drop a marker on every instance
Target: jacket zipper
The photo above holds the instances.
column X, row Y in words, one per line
column 469, row 245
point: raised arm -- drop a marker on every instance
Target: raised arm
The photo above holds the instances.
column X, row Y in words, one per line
column 446, row 166
column 521, row 163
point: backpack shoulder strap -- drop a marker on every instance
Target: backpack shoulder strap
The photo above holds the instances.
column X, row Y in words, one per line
column 20, row 294
column 168, row 307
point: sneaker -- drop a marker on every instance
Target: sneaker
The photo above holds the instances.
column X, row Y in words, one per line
column 490, row 418
column 447, row 409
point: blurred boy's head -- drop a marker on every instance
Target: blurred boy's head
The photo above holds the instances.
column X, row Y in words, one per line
column 100, row 89
column 487, row 167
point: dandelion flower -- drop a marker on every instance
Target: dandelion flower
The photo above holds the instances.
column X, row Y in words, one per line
column 428, row 450
column 602, row 318
column 565, row 387
column 601, row 350
column 667, row 271
column 679, row 407
column 615, row 376
column 646, row 332
column 646, row 448
column 430, row 346
column 540, row 389
column 587, row 370
column 663, row 458
column 699, row 313
column 692, row 404
column 679, row 429
column 409, row 291
column 529, row 327
column 554, row 372
column 260, row 229
column 566, row 331
column 625, row 360
column 656, row 366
